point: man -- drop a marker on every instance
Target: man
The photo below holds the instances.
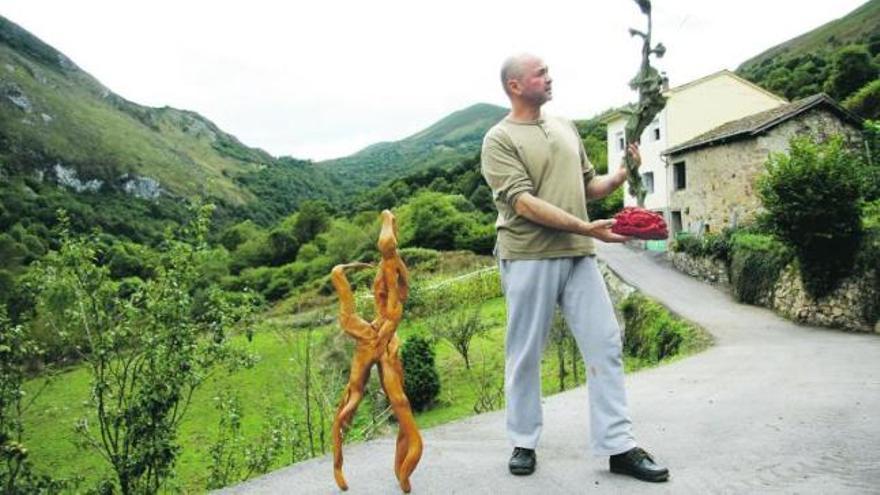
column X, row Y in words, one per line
column 541, row 179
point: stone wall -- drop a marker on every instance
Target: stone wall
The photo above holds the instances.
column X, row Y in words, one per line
column 844, row 308
column 706, row 269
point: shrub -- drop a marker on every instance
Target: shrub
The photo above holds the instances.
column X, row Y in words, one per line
column 17, row 475
column 755, row 264
column 421, row 380
column 812, row 197
column 147, row 355
column 688, row 244
column 871, row 172
column 852, row 68
column 422, row 257
column 708, row 245
column 652, row 333
column 866, row 101
column 607, row 206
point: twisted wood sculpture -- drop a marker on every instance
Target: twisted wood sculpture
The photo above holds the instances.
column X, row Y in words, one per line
column 377, row 343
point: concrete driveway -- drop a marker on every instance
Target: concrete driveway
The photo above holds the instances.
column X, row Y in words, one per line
column 772, row 407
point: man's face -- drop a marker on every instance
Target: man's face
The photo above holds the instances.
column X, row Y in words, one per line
column 536, row 85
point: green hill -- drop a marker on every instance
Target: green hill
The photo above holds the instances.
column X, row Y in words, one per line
column 446, row 143
column 801, row 66
column 60, row 124
column 854, row 27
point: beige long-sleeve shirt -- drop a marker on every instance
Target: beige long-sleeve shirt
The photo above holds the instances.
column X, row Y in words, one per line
column 546, row 158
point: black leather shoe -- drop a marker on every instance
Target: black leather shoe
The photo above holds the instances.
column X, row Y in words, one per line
column 523, row 461
column 638, row 464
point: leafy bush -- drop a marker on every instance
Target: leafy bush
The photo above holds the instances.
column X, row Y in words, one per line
column 866, row 101
column 420, row 257
column 755, row 264
column 871, row 171
column 444, row 222
column 17, row 475
column 707, row 245
column 606, row 207
column 652, row 333
column 852, row 68
column 421, row 380
column 812, row 197
column 147, row 354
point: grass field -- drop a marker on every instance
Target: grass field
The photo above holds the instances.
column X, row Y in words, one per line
column 269, row 387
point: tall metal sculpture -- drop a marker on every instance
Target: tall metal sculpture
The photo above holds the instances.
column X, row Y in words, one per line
column 377, row 343
column 649, row 83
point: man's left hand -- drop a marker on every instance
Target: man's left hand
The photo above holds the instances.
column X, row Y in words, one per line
column 633, row 151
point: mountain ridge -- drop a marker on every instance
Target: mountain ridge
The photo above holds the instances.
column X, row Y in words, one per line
column 445, row 143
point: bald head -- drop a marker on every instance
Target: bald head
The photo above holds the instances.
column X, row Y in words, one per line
column 514, row 67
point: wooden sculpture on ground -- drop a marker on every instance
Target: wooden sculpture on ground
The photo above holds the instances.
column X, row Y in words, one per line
column 649, row 83
column 377, row 343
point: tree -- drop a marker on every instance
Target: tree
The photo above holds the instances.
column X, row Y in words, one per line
column 564, row 343
column 430, row 219
column 812, row 196
column 312, row 219
column 852, row 68
column 460, row 329
column 234, row 459
column 482, row 199
column 16, row 472
column 147, row 354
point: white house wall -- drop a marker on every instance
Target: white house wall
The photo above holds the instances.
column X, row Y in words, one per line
column 652, row 162
column 701, row 107
column 691, row 110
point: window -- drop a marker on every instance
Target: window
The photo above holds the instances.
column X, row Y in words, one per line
column 648, row 181
column 621, row 143
column 657, row 133
column 679, row 175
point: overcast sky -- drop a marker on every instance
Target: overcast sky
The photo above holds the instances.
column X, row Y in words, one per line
column 323, row 78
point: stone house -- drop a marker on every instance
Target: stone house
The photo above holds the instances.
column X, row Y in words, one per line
column 691, row 109
column 712, row 176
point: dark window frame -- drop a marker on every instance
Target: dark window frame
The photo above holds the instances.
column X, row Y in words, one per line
column 679, row 175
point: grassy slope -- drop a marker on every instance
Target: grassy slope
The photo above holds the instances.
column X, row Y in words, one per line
column 855, row 26
column 267, row 386
column 102, row 135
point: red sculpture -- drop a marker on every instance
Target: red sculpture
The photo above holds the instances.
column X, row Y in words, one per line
column 640, row 223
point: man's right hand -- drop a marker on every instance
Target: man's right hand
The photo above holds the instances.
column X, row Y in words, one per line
column 601, row 229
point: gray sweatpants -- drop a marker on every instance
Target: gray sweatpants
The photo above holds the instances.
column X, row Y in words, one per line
column 533, row 289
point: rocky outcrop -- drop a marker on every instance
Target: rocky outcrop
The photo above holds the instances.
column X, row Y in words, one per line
column 14, row 94
column 142, row 187
column 67, row 177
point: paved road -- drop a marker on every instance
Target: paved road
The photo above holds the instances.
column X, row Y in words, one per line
column 772, row 407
